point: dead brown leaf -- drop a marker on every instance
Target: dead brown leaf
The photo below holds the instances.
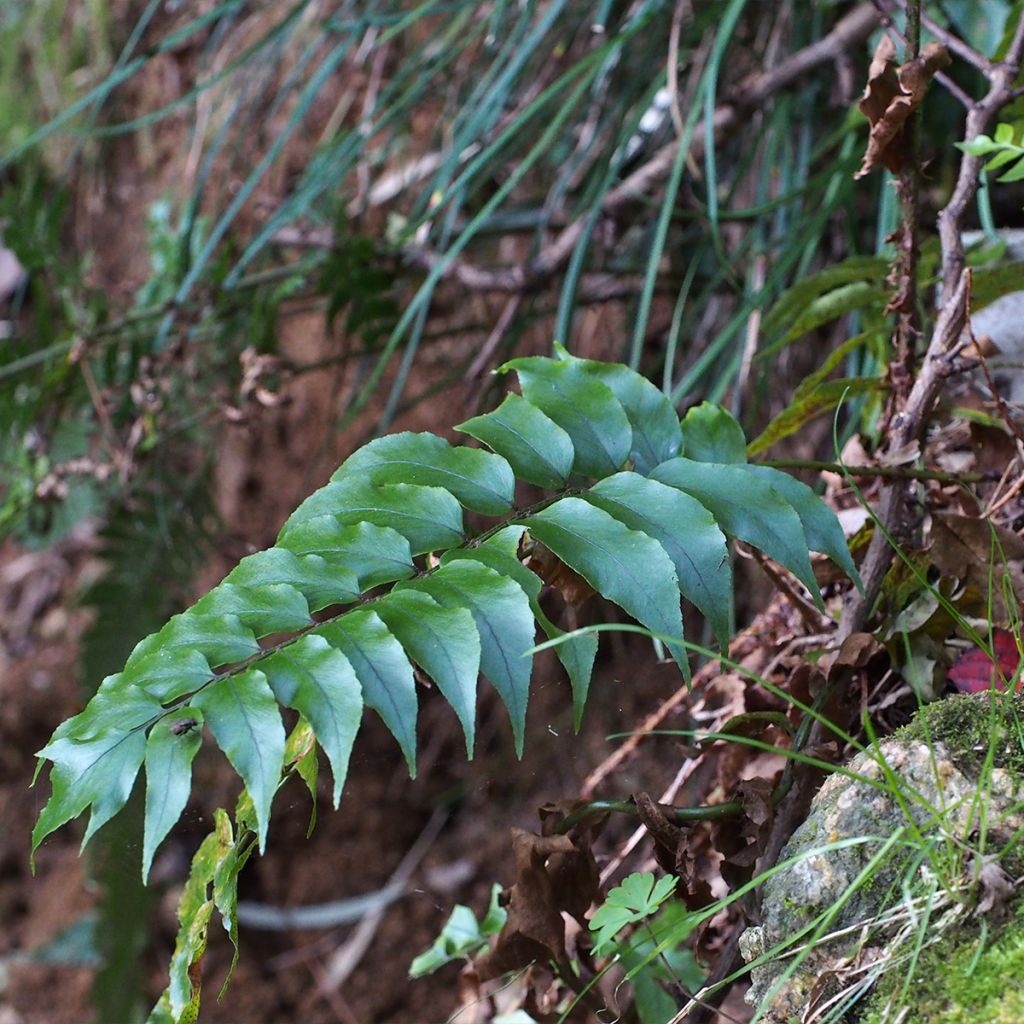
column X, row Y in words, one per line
column 891, row 96
column 555, row 573
column 553, row 874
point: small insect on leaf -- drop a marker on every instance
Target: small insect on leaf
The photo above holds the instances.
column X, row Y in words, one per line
column 183, row 726
column 976, row 672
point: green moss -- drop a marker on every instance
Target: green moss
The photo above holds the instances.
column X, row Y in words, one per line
column 968, row 724
column 954, row 985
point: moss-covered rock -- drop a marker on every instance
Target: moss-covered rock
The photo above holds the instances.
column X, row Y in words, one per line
column 898, row 819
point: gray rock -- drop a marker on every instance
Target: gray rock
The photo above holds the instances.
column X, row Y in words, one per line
column 840, row 890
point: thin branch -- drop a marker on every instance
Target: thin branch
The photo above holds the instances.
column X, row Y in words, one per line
column 954, row 43
column 941, row 77
column 909, row 424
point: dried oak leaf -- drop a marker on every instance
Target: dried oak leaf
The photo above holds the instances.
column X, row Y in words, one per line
column 553, row 874
column 976, row 672
column 891, row 96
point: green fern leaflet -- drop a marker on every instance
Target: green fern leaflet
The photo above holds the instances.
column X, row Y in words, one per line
column 640, row 505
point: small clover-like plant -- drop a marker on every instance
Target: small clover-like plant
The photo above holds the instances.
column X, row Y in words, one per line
column 376, row 572
column 635, row 899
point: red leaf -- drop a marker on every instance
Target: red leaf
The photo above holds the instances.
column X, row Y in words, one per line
column 976, row 672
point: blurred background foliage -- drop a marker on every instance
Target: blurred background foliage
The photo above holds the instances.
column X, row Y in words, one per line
column 426, row 189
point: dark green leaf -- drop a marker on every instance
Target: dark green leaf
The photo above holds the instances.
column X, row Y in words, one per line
column 654, row 421
column 267, row 608
column 504, row 620
column 585, row 408
column 318, row 681
column 428, row 517
column 481, row 481
column 747, row 507
column 170, row 663
column 820, row 524
column 383, row 671
column 97, row 772
column 685, row 529
column 536, row 447
column 444, row 642
column 375, row 554
column 577, row 655
column 173, row 743
column 245, row 721
column 321, row 581
column 623, row 565
column 711, row 434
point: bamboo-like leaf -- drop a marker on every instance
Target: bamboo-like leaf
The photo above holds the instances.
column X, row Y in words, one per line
column 245, row 721
column 318, row 681
column 624, row 565
column 383, row 671
column 653, row 420
column 504, row 620
column 685, row 529
column 585, row 408
column 321, row 581
column 428, row 517
column 746, row 507
column 818, row 400
column 374, row 554
column 479, row 480
column 172, row 745
column 711, row 434
column 444, row 642
column 536, row 447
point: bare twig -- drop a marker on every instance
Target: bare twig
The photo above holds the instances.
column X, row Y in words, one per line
column 908, row 424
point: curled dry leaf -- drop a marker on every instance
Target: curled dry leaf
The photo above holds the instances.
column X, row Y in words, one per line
column 891, row 96
column 553, row 874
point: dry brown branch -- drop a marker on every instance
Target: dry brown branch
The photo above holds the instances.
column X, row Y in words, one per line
column 909, row 423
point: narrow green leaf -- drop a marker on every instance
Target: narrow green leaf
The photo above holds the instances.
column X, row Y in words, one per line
column 504, row 620
column 266, row 608
column 500, row 552
column 685, row 529
column 428, row 517
column 479, row 480
column 383, row 671
column 98, row 772
column 243, row 716
column 623, row 565
column 651, row 416
column 444, row 642
column 585, row 408
column 318, row 681
column 711, row 434
column 747, row 507
column 808, row 406
column 172, row 745
column 321, row 581
column 820, row 524
column 375, row 554
column 536, row 447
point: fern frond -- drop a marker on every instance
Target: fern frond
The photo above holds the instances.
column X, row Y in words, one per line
column 359, row 605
